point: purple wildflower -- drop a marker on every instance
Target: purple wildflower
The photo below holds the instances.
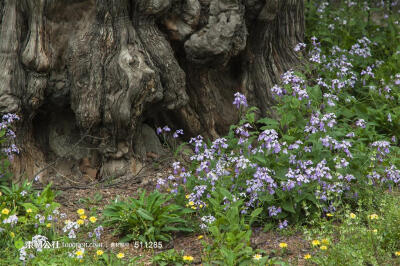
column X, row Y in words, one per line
column 240, row 100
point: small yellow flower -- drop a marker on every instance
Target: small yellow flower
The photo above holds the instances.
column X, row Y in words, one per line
column 92, row 219
column 325, row 241
column 201, row 206
column 373, row 216
column 5, row 211
column 193, row 207
column 191, row 203
column 307, row 256
column 323, row 247
column 329, row 214
column 375, row 231
column 283, row 245
column 80, row 211
column 79, row 252
column 29, row 210
column 397, row 253
column 315, row 243
column 12, row 234
column 200, row 237
column 48, row 225
column 1, row 193
column 257, row 257
column 99, row 252
column 120, row 255
column 353, row 216
column 187, row 258
column 83, row 217
column 187, row 196
column 80, row 221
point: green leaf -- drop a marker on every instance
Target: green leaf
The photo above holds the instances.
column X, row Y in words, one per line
column 287, row 205
column 269, row 122
column 145, row 214
column 18, row 243
column 30, row 206
column 254, row 215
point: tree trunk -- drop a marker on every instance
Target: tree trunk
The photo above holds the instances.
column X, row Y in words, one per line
column 91, row 79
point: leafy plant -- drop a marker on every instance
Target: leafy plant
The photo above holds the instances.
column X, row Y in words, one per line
column 168, row 257
column 149, row 218
column 229, row 232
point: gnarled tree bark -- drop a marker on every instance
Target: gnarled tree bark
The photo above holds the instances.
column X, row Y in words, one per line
column 105, row 73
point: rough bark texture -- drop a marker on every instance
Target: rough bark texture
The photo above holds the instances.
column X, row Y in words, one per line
column 93, row 78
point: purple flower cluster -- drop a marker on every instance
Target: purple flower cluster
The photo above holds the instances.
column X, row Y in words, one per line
column 296, row 83
column 262, row 181
column 382, row 148
column 299, row 46
column 164, row 129
column 318, row 124
column 269, row 140
column 274, row 211
column 5, row 124
column 177, row 133
column 240, row 100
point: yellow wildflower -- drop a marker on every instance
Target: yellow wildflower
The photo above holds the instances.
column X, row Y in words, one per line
column 191, row 203
column 187, row 258
column 323, row 247
column 397, row 253
column 92, row 219
column 373, row 216
column 257, row 257
column 307, row 256
column 325, row 241
column 120, row 255
column 80, row 221
column 48, row 225
column 283, row 245
column 200, row 237
column 83, row 217
column 99, row 252
column 79, row 252
column 5, row 211
column 187, row 196
column 193, row 207
column 80, row 211
column 315, row 243
column 29, row 210
column 201, row 206
column 1, row 193
column 329, row 214
column 12, row 234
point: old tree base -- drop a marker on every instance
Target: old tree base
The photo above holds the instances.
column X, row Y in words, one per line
column 91, row 79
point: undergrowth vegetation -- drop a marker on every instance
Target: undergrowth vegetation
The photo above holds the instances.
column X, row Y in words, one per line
column 325, row 162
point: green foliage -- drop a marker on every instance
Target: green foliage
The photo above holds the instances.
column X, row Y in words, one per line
column 149, row 218
column 230, row 234
column 367, row 237
column 168, row 257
